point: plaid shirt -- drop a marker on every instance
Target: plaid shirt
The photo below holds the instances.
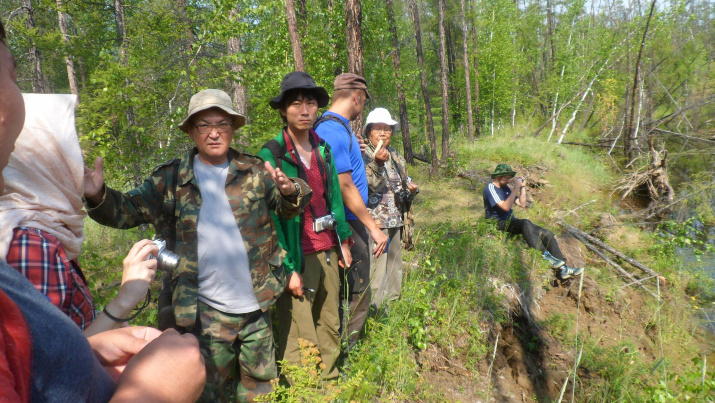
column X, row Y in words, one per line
column 41, row 258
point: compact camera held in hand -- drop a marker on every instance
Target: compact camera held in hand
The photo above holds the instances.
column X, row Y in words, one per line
column 326, row 222
column 166, row 260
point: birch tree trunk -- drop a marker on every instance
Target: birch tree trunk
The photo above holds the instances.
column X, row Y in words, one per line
column 353, row 33
column 445, row 93
column 69, row 63
column 298, row 58
column 477, row 116
column 404, row 123
column 423, row 81
column 39, row 82
column 465, row 60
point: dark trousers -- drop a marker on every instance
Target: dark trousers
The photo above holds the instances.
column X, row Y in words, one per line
column 535, row 236
column 355, row 285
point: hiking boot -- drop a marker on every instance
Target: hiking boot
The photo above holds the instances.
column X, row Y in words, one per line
column 555, row 262
column 568, row 272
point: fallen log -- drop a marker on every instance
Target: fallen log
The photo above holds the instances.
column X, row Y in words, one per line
column 620, row 269
column 610, row 249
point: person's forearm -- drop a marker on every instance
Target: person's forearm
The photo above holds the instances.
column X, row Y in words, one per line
column 353, row 201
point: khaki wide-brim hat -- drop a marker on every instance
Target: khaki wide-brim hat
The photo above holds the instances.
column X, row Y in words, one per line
column 208, row 99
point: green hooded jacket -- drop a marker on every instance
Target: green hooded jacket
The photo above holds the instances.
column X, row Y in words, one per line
column 290, row 230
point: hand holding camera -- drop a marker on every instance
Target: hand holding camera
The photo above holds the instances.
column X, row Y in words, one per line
column 139, row 271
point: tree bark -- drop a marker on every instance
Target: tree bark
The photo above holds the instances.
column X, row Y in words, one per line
column 445, row 94
column 423, row 81
column 337, row 68
column 404, row 123
column 39, row 81
column 69, row 63
column 633, row 132
column 238, row 89
column 120, row 21
column 353, row 33
column 465, row 61
column 477, row 116
column 298, row 58
column 188, row 43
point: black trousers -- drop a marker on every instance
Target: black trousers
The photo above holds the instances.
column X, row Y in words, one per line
column 535, row 236
column 355, row 285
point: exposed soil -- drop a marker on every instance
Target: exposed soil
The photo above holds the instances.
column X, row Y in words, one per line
column 533, row 360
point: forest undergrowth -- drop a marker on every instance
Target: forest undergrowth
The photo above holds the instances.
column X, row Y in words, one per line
column 481, row 318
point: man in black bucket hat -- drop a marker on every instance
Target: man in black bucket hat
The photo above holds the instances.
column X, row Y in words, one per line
column 498, row 203
column 309, row 307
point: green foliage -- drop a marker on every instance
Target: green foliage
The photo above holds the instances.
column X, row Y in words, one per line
column 305, row 383
column 696, row 384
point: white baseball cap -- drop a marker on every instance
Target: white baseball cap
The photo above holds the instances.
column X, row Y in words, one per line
column 380, row 115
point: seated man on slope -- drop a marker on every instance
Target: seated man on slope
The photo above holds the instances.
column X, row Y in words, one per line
column 498, row 202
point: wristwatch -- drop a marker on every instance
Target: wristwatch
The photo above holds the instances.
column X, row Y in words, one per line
column 297, row 189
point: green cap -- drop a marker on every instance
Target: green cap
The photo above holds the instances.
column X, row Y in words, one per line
column 503, row 170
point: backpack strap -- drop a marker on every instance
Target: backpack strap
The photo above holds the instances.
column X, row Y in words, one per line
column 275, row 148
column 334, row 119
column 169, row 206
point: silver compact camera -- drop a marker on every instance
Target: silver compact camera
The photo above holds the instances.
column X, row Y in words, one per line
column 166, row 260
column 323, row 223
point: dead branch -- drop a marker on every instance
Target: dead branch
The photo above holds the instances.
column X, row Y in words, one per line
column 609, row 248
column 620, row 269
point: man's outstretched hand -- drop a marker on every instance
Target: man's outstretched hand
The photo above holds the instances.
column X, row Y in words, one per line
column 284, row 184
column 94, row 182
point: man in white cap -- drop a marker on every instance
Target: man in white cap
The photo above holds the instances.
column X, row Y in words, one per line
column 213, row 208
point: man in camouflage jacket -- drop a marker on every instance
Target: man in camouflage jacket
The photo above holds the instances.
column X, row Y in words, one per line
column 170, row 196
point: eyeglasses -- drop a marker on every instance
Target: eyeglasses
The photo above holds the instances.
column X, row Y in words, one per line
column 205, row 128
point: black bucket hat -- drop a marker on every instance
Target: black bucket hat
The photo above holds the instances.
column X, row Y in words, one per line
column 300, row 80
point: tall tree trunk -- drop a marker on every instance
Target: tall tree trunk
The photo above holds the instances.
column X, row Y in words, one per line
column 477, row 116
column 39, row 82
column 238, row 89
column 188, row 43
column 404, row 123
column 423, row 81
column 298, row 58
column 69, row 63
column 443, row 68
column 632, row 132
column 337, row 68
column 121, row 23
column 465, row 61
column 353, row 33
column 80, row 64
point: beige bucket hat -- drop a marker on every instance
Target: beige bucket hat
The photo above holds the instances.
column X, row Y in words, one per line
column 208, row 99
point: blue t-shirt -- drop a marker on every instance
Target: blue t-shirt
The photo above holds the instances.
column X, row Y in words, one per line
column 346, row 159
column 492, row 196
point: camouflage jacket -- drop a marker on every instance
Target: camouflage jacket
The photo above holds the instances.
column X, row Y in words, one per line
column 383, row 182
column 251, row 194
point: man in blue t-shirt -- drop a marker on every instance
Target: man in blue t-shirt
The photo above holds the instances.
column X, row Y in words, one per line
column 498, row 202
column 349, row 95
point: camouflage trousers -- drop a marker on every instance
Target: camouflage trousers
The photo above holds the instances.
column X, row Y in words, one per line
column 238, row 344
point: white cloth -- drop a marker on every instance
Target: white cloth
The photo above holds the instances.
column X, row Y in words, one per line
column 44, row 180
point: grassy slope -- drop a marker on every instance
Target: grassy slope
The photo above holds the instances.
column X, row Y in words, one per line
column 438, row 340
